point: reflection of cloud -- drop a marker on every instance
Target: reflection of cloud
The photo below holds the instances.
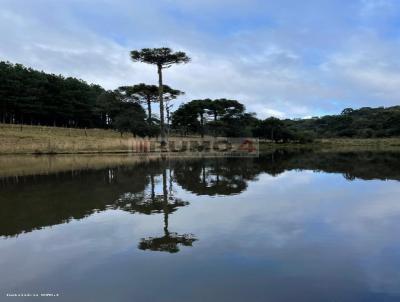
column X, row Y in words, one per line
column 51, row 250
column 309, row 211
column 370, row 222
column 297, row 228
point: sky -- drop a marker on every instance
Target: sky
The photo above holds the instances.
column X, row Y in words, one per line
column 283, row 58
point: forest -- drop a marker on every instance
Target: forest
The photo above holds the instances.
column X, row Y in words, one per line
column 37, row 98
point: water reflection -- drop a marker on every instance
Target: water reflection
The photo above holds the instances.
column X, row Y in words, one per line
column 264, row 228
column 366, row 165
column 214, row 176
column 33, row 202
column 165, row 203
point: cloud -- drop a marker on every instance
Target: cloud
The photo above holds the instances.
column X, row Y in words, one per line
column 367, row 71
column 286, row 59
column 372, row 7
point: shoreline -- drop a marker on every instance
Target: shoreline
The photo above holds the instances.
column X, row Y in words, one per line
column 19, row 165
column 44, row 140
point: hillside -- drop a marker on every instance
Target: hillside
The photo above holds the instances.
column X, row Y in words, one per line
column 361, row 123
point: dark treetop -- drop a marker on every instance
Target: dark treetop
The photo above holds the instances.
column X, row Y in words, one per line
column 163, row 57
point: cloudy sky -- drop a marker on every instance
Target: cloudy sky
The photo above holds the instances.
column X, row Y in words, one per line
column 286, row 58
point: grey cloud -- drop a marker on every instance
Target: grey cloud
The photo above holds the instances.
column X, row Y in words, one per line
column 306, row 61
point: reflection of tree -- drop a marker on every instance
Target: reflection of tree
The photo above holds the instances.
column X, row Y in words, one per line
column 38, row 201
column 33, row 202
column 230, row 176
column 352, row 165
column 170, row 241
column 153, row 203
column 215, row 177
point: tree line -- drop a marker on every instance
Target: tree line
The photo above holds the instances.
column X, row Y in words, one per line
column 34, row 97
column 365, row 122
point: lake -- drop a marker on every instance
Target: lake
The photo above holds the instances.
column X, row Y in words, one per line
column 285, row 226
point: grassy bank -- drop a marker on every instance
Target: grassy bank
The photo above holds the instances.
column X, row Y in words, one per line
column 16, row 139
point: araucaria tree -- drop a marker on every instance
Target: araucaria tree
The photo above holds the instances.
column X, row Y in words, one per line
column 162, row 58
column 147, row 94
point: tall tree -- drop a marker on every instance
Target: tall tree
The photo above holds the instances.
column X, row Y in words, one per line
column 148, row 94
column 144, row 94
column 162, row 58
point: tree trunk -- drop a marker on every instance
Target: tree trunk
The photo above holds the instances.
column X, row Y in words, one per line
column 161, row 101
column 202, row 124
column 168, row 117
column 165, row 201
column 153, row 194
column 149, row 110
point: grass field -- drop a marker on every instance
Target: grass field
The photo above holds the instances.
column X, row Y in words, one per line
column 17, row 139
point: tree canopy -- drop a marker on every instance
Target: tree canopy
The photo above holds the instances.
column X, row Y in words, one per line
column 148, row 94
column 216, row 117
column 163, row 57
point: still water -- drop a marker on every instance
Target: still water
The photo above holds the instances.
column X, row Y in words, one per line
column 287, row 226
